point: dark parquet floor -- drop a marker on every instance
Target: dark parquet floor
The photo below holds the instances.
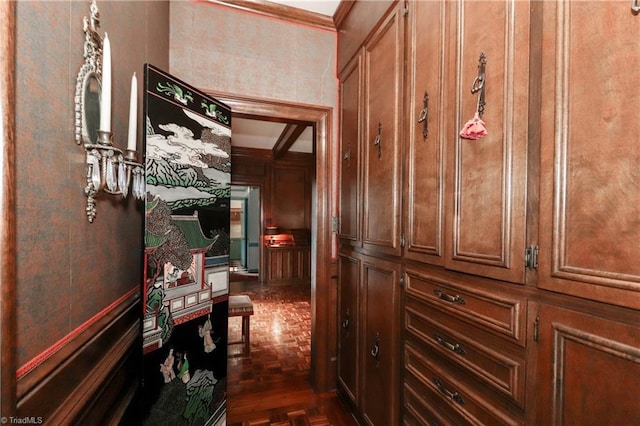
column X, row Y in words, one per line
column 272, row 385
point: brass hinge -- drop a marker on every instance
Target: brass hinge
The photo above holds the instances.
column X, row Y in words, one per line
column 335, row 223
column 401, row 281
column 402, row 240
column 536, row 329
column 405, row 12
column 531, row 257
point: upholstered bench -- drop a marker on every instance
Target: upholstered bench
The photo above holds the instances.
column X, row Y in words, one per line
column 241, row 306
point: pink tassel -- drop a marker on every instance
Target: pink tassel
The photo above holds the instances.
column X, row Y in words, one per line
column 474, row 128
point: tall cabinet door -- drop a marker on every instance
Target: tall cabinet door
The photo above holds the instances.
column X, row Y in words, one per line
column 426, row 138
column 350, row 136
column 383, row 105
column 380, row 366
column 348, row 332
column 590, row 151
column 486, row 177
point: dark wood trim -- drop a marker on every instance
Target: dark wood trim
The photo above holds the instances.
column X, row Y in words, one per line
column 280, row 11
column 255, row 167
column 239, row 151
column 323, row 312
column 7, row 223
column 342, row 11
column 287, row 138
column 93, row 375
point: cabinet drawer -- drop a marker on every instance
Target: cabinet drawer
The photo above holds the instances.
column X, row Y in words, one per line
column 420, row 406
column 498, row 314
column 494, row 367
column 454, row 396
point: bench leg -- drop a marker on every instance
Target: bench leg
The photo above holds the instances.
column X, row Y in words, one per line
column 245, row 335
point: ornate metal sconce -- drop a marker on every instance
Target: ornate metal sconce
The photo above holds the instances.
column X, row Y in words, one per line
column 108, row 168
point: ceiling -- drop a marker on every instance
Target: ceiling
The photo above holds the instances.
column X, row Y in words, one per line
column 258, row 134
column 324, row 7
column 248, row 133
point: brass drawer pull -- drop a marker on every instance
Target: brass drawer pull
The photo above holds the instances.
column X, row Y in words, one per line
column 635, row 8
column 448, row 298
column 454, row 396
column 453, row 347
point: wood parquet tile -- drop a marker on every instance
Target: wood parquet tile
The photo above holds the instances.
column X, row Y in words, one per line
column 272, row 385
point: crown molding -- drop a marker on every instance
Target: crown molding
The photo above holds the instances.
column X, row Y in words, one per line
column 280, row 11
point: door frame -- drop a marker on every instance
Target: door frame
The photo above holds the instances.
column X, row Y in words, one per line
column 8, row 382
column 323, row 312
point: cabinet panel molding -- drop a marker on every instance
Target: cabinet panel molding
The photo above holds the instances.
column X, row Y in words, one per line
column 350, row 225
column 383, row 61
column 380, row 341
column 588, row 368
column 349, row 327
column 486, row 361
column 590, row 198
column 426, row 137
column 419, row 409
column 455, row 395
column 487, row 177
column 498, row 313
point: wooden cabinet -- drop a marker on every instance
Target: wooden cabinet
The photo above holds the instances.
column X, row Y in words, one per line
column 369, row 291
column 291, row 196
column 588, row 368
column 383, row 77
column 426, row 137
column 370, row 140
column 473, row 221
column 370, row 223
column 379, row 309
column 590, row 152
column 486, row 177
column 451, row 366
column 589, row 215
column 349, row 332
column 519, row 247
column 350, row 202
column 288, row 265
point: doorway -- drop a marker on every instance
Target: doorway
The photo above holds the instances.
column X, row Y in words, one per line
column 323, row 288
column 244, row 253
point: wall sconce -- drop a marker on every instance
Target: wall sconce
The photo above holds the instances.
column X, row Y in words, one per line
column 109, row 169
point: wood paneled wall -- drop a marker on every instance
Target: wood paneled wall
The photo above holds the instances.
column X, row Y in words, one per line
column 286, row 184
column 93, row 377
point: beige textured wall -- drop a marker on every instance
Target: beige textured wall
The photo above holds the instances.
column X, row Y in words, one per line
column 218, row 48
column 68, row 270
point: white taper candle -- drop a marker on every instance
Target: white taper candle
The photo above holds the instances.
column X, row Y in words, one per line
column 105, row 104
column 133, row 114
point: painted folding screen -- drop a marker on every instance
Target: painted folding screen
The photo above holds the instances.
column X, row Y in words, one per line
column 188, row 174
